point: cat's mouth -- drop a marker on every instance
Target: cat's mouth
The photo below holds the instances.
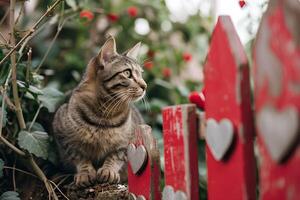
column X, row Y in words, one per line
column 139, row 96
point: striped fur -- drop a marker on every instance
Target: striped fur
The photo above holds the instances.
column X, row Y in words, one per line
column 93, row 129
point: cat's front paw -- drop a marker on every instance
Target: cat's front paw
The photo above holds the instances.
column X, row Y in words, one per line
column 85, row 178
column 108, row 175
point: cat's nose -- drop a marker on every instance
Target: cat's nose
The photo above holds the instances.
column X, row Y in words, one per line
column 143, row 85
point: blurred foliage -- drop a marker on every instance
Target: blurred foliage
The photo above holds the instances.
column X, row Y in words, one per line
column 72, row 35
column 10, row 195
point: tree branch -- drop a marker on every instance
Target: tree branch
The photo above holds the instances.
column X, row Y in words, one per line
column 13, row 147
column 14, row 67
column 19, row 113
column 32, row 30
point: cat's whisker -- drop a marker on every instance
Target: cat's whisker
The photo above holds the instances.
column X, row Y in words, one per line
column 120, row 102
column 111, row 97
column 111, row 106
column 117, row 104
column 147, row 102
column 116, row 96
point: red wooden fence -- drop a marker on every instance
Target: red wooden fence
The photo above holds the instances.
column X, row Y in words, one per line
column 229, row 125
column 143, row 165
column 277, row 100
column 229, row 128
column 180, row 151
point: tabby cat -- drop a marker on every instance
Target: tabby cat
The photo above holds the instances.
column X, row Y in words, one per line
column 93, row 129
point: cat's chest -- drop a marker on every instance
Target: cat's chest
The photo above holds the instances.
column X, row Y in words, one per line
column 114, row 136
column 110, row 138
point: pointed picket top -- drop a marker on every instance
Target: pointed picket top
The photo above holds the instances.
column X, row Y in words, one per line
column 229, row 120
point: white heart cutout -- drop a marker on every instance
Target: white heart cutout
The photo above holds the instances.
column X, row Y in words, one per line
column 169, row 194
column 279, row 130
column 219, row 137
column 137, row 157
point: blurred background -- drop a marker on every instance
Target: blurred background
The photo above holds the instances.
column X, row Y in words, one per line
column 175, row 35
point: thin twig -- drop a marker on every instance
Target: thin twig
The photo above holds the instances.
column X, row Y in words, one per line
column 56, row 187
column 19, row 113
column 59, row 28
column 20, row 170
column 20, row 13
column 32, row 30
column 9, row 103
column 39, row 29
column 2, row 111
column 61, row 176
column 35, row 116
column 30, row 174
column 42, row 176
column 4, row 17
column 63, row 180
column 28, row 64
column 3, row 102
column 13, row 147
column 14, row 176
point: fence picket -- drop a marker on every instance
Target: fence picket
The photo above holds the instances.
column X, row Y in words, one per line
column 229, row 129
column 180, row 151
column 143, row 166
column 277, row 100
column 229, row 125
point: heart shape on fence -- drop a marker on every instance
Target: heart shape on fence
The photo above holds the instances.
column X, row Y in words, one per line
column 137, row 157
column 133, row 197
column 279, row 130
column 169, row 194
column 219, row 137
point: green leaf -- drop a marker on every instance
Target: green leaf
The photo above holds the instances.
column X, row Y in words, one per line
column 36, row 142
column 10, row 195
column 1, row 167
column 50, row 98
column 35, row 127
column 35, row 90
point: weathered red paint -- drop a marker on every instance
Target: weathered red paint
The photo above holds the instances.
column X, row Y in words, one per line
column 180, row 149
column 146, row 183
column 228, row 96
column 280, row 64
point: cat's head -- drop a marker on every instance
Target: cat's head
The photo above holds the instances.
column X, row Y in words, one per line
column 116, row 75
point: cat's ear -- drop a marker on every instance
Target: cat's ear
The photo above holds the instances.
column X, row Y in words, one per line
column 107, row 51
column 134, row 51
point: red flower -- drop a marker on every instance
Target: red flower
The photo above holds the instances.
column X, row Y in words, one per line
column 150, row 54
column 167, row 72
column 148, row 65
column 132, row 11
column 86, row 14
column 198, row 99
column 187, row 57
column 113, row 17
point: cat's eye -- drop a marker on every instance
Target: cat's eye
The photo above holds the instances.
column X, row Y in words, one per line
column 127, row 73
